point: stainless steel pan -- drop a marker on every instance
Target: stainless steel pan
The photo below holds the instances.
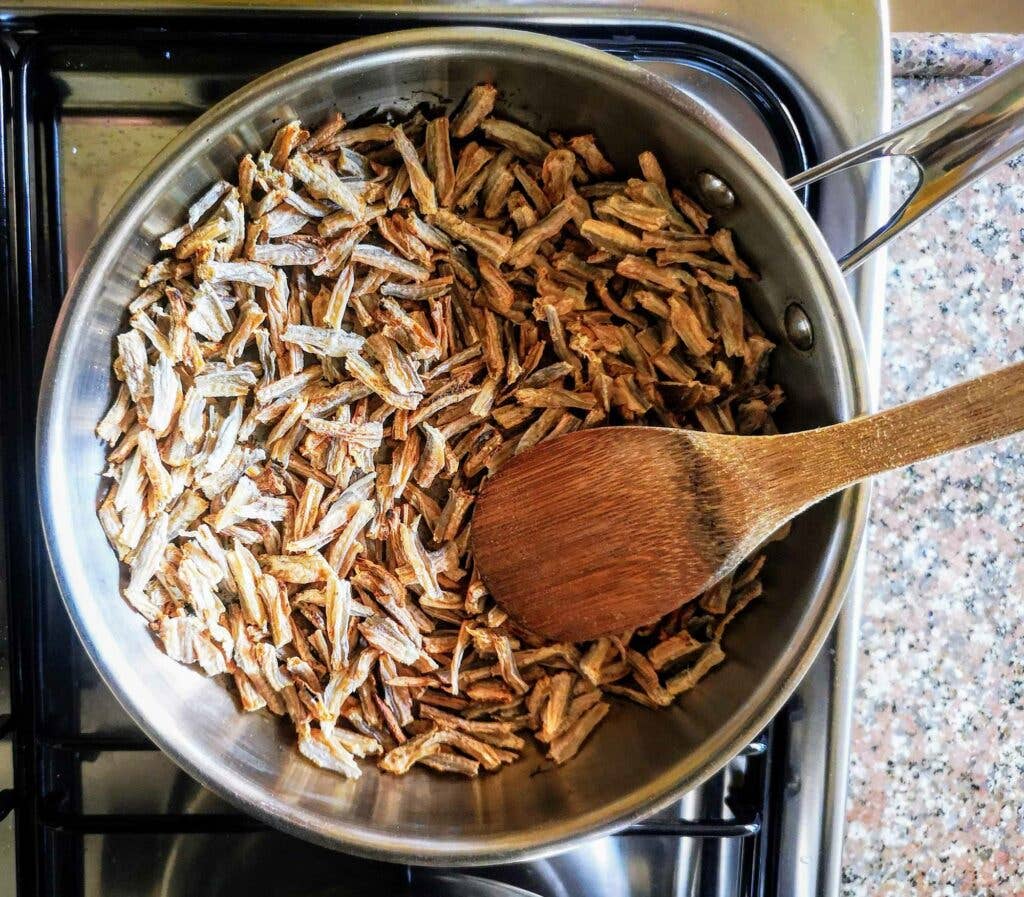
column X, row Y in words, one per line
column 639, row 760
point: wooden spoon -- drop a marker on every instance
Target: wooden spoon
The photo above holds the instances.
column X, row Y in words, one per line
column 604, row 530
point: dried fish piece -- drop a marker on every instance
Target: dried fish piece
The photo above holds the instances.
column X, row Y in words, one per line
column 611, row 237
column 640, row 215
column 439, row 158
column 330, row 341
column 422, row 186
column 287, row 253
column 526, row 245
column 477, row 106
column 522, row 142
column 383, row 634
column 323, row 183
column 585, row 146
column 567, row 745
column 709, row 658
column 487, row 243
column 254, row 273
column 316, row 746
column 376, row 257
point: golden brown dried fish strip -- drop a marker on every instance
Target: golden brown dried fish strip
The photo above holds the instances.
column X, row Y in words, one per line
column 302, row 569
column 683, row 682
column 419, row 181
column 400, row 760
column 499, row 734
column 202, row 236
column 651, row 168
column 413, row 335
column 477, row 106
column 685, row 323
column 398, row 368
column 323, row 135
column 585, row 146
column 645, row 271
column 654, row 194
column 611, row 237
column 255, row 273
column 674, row 648
column 359, row 368
column 430, row 289
column 722, row 241
column 490, row 757
column 699, row 218
column 692, row 260
column 337, row 303
column 454, row 513
column 525, row 247
column 639, row 215
column 579, row 705
column 718, row 286
column 567, row 745
column 555, row 397
column 439, row 158
column 498, row 183
column 556, row 174
column 329, row 341
column 195, row 214
column 325, row 399
column 443, row 761
column 472, row 160
column 368, row 434
column 280, row 254
column 378, row 133
column 118, row 418
column 647, row 678
column 742, row 597
column 594, row 659
column 507, row 666
column 149, row 455
column 375, row 257
column 416, row 556
column 287, row 386
column 431, row 457
column 522, row 142
column 676, row 242
column 337, row 610
column 346, row 547
column 532, row 189
column 288, row 137
column 728, row 315
column 494, row 246
column 323, row 183
column 392, row 229
column 383, row 634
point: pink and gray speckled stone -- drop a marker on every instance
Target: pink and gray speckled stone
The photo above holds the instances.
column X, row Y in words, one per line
column 936, row 803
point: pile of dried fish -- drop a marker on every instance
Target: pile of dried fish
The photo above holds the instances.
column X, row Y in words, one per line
column 329, row 357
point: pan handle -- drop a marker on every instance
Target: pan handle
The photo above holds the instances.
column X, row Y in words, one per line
column 950, row 147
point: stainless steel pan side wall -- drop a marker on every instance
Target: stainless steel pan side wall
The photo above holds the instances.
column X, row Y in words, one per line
column 638, row 761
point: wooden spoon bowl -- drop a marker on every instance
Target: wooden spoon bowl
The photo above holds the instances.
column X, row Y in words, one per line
column 604, row 530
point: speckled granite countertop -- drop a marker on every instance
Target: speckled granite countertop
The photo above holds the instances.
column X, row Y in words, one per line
column 936, row 801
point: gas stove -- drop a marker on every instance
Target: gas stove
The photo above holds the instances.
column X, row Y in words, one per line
column 90, row 94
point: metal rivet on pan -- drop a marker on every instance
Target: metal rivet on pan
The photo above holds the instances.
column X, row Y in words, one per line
column 715, row 192
column 798, row 327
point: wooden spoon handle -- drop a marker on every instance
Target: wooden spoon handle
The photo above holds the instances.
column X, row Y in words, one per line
column 980, row 410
